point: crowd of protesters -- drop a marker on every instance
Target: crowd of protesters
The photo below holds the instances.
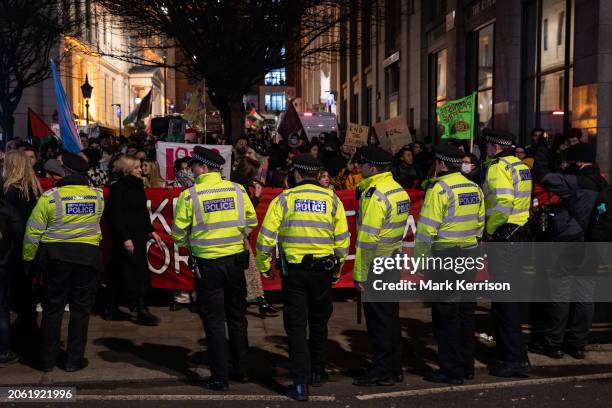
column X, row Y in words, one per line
column 128, row 166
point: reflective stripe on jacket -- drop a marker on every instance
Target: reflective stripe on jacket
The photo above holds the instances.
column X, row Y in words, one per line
column 384, row 207
column 67, row 214
column 453, row 213
column 213, row 217
column 306, row 219
column 507, row 190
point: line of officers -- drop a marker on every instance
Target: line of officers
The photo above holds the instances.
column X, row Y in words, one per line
column 305, row 232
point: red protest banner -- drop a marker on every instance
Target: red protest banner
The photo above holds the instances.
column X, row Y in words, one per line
column 168, row 264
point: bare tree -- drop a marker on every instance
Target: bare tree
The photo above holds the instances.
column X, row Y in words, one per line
column 234, row 43
column 30, row 32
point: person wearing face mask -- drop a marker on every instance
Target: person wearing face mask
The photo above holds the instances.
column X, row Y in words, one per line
column 471, row 168
column 451, row 223
column 131, row 229
column 568, row 324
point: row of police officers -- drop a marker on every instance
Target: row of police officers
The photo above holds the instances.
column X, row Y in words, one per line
column 305, row 233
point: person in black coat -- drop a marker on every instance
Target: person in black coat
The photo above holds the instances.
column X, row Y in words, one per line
column 12, row 229
column 404, row 170
column 20, row 191
column 131, row 229
column 578, row 188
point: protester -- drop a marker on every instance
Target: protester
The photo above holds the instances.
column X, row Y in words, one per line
column 403, row 170
column 323, row 178
column 245, row 175
column 471, row 168
column 97, row 176
column 521, row 153
column 130, row 230
column 183, row 178
column 151, row 174
column 567, row 325
column 21, row 190
column 10, row 241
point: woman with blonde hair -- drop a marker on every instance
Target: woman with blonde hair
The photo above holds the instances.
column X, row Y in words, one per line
column 131, row 229
column 20, row 191
column 152, row 175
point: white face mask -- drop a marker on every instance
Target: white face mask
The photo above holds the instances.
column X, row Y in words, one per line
column 466, row 168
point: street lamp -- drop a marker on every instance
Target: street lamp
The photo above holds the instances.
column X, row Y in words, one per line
column 86, row 89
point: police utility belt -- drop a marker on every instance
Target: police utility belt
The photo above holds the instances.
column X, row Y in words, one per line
column 330, row 264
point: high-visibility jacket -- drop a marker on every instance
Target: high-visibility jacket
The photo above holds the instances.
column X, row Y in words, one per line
column 507, row 190
column 306, row 219
column 213, row 217
column 67, row 214
column 452, row 214
column 384, row 207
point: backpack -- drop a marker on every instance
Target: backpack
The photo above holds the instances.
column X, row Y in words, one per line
column 600, row 228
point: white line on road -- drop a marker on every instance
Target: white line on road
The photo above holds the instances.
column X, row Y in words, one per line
column 195, row 397
column 488, row 386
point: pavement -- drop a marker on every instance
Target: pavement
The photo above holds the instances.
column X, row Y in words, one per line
column 154, row 366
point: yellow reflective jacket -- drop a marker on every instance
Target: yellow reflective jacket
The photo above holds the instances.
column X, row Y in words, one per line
column 453, row 214
column 306, row 219
column 384, row 207
column 67, row 214
column 507, row 190
column 213, row 217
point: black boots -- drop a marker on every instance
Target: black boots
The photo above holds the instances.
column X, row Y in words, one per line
column 143, row 316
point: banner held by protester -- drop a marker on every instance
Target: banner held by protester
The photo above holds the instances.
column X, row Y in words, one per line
column 458, row 118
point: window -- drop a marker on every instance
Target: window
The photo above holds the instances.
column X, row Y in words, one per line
column 393, row 26
column 355, row 108
column 276, row 77
column 560, row 29
column 367, row 107
column 545, row 34
column 437, row 88
column 547, row 71
column 353, row 42
column 481, row 70
column 274, row 101
column 392, row 78
column 366, row 37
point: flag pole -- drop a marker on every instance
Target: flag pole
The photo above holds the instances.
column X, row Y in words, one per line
column 205, row 117
column 475, row 125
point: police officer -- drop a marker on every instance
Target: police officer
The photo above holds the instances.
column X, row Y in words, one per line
column 64, row 231
column 384, row 207
column 507, row 190
column 451, row 222
column 213, row 218
column 309, row 224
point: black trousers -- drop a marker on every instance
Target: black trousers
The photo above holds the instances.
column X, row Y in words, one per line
column 507, row 316
column 129, row 277
column 308, row 303
column 454, row 330
column 222, row 297
column 384, row 332
column 508, row 335
column 570, row 322
column 66, row 283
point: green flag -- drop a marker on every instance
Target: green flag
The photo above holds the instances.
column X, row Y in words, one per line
column 458, row 117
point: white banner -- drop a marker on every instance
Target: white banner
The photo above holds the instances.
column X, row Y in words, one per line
column 167, row 153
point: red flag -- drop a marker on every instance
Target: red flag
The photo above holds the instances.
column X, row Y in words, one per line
column 291, row 122
column 37, row 127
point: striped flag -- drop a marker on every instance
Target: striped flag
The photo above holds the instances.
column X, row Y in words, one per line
column 68, row 131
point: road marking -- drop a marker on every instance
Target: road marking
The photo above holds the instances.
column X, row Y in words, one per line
column 489, row 386
column 196, row 397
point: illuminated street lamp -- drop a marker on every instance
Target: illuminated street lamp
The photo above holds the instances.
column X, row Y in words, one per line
column 86, row 89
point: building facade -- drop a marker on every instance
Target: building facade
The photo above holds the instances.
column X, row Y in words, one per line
column 532, row 63
column 117, row 85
